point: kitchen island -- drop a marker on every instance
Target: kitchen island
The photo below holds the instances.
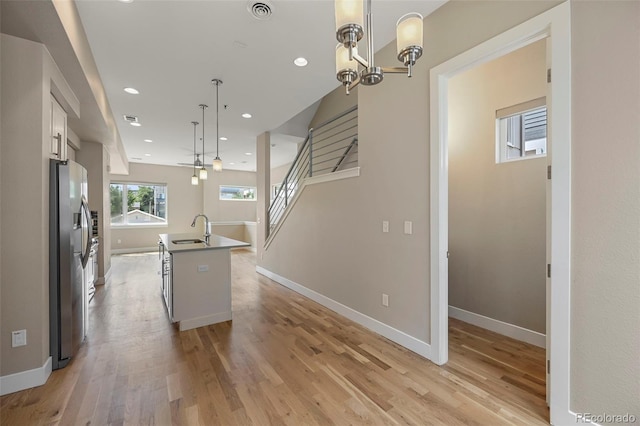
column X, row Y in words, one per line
column 196, row 278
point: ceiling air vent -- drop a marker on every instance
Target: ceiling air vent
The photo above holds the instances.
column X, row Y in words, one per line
column 260, row 9
column 130, row 118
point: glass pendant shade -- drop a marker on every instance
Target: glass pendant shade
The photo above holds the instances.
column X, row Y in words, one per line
column 409, row 32
column 194, row 179
column 342, row 60
column 217, row 164
column 203, row 174
column 349, row 12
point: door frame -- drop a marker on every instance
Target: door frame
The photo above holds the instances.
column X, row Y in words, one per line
column 554, row 24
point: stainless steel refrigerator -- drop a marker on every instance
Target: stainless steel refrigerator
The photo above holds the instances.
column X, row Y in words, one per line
column 69, row 247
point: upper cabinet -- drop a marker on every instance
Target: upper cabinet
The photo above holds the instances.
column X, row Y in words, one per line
column 58, row 146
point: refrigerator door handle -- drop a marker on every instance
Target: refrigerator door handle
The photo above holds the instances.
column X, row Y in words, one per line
column 86, row 237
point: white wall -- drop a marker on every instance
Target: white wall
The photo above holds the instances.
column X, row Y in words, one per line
column 497, row 212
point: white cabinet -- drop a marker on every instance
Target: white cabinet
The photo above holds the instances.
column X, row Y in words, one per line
column 58, row 146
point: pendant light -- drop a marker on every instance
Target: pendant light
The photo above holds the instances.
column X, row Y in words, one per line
column 194, row 178
column 351, row 27
column 217, row 162
column 203, row 171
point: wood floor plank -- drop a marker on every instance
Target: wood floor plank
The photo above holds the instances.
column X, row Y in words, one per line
column 283, row 359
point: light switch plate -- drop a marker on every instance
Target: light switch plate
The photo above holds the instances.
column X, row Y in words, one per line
column 408, row 227
column 18, row 338
column 385, row 299
column 385, row 226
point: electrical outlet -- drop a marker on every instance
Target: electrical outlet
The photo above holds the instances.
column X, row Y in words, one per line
column 18, row 338
column 385, row 226
column 203, row 268
column 119, row 241
column 385, row 300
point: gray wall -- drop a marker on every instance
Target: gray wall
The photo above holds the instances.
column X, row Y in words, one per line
column 339, row 223
column 94, row 157
column 184, row 201
column 497, row 228
column 605, row 200
column 28, row 76
column 228, row 210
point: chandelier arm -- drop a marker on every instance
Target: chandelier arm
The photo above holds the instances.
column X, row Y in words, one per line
column 395, row 70
column 353, row 54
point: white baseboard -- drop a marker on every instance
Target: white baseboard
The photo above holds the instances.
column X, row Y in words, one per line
column 506, row 329
column 401, row 338
column 25, row 379
column 134, row 250
column 205, row 320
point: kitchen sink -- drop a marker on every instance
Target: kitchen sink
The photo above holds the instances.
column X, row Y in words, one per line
column 188, row 241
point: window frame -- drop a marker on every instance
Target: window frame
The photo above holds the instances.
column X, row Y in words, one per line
column 253, row 188
column 125, row 224
column 512, row 111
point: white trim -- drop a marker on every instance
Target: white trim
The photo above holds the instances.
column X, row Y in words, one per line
column 342, row 174
column 25, row 379
column 401, row 338
column 190, row 323
column 555, row 22
column 134, row 250
column 232, row 222
column 329, row 177
column 500, row 327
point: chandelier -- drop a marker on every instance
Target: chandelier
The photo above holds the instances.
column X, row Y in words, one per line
column 351, row 28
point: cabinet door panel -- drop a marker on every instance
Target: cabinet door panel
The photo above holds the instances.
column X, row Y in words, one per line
column 58, row 148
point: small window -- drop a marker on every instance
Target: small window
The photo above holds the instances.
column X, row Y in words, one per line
column 521, row 131
column 238, row 193
column 138, row 204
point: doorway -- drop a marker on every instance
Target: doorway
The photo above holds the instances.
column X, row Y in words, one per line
column 554, row 22
column 497, row 223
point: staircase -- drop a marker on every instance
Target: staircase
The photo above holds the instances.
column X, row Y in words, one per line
column 328, row 148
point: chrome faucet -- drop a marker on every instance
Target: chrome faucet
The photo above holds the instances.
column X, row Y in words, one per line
column 207, row 225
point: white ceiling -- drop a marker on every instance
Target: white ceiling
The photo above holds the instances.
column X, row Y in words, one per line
column 171, row 50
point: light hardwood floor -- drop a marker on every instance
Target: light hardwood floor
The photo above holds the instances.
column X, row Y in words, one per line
column 282, row 360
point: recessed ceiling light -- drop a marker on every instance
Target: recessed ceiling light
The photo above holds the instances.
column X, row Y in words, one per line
column 147, row 155
column 248, row 153
column 222, row 138
column 148, row 140
column 125, row 1
column 246, row 115
column 301, row 62
column 131, row 90
column 232, row 164
column 136, row 124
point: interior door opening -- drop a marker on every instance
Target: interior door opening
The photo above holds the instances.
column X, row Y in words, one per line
column 497, row 140
column 556, row 21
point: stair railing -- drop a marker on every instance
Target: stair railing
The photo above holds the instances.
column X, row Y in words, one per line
column 329, row 147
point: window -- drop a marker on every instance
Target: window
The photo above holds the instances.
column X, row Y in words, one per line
column 138, row 204
column 521, row 131
column 238, row 193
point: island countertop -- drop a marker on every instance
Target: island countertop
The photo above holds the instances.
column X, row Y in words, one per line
column 215, row 242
